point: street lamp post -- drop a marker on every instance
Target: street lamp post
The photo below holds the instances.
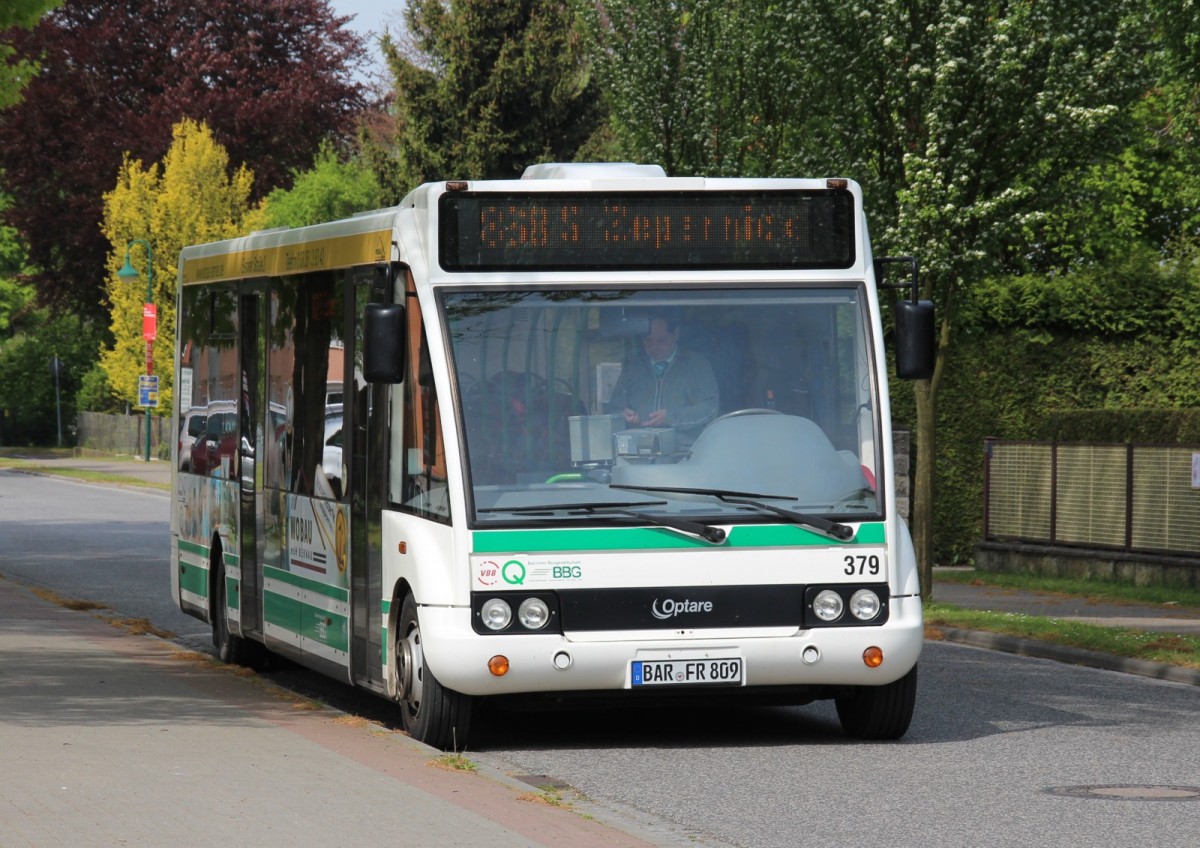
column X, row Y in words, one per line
column 149, row 315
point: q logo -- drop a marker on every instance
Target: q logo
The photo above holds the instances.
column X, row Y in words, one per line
column 513, row 572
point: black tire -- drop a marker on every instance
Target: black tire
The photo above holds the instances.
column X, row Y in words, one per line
column 230, row 649
column 879, row 712
column 227, row 646
column 432, row 713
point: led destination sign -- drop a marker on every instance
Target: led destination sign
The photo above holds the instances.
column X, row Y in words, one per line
column 647, row 230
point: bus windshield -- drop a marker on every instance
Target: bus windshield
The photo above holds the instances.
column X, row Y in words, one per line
column 730, row 405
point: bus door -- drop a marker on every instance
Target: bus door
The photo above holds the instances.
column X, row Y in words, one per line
column 367, row 413
column 251, row 353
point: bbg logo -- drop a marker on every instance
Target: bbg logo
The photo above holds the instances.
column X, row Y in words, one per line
column 669, row 608
column 566, row 572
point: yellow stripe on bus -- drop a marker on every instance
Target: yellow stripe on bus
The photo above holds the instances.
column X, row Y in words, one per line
column 320, row 255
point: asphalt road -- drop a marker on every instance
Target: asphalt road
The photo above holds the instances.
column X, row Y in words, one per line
column 93, row 543
column 1004, row 750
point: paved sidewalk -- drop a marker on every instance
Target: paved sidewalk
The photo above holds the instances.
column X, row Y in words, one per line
column 110, row 739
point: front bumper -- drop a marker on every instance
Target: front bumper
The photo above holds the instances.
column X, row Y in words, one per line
column 459, row 657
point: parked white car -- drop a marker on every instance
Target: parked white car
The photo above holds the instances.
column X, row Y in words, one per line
column 191, row 428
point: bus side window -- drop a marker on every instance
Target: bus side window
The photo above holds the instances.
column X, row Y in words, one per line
column 307, row 363
column 208, row 328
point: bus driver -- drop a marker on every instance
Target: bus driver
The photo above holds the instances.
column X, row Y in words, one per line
column 669, row 387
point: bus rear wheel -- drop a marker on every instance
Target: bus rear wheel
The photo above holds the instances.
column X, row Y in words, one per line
column 879, row 712
column 432, row 713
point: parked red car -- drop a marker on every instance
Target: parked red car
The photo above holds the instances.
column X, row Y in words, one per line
column 214, row 451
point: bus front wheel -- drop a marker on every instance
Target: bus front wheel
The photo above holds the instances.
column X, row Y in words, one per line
column 879, row 712
column 432, row 713
column 229, row 647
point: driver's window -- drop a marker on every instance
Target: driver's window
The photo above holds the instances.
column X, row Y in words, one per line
column 423, row 452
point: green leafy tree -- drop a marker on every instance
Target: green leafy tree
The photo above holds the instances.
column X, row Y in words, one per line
column 964, row 121
column 485, row 88
column 16, row 296
column 272, row 78
column 1009, row 104
column 28, row 413
column 698, row 86
column 1177, row 27
column 96, row 393
column 16, row 71
column 330, row 190
column 193, row 197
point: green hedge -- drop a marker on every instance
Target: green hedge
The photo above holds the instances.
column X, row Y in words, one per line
column 1108, row 353
column 1021, row 384
column 1141, row 426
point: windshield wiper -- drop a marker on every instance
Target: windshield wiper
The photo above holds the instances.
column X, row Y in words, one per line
column 842, row 532
column 693, row 528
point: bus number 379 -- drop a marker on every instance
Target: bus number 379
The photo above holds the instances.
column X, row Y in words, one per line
column 445, row 458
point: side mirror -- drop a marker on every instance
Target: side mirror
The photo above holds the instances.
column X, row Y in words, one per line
column 915, row 349
column 384, row 343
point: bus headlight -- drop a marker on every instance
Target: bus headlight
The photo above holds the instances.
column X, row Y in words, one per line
column 496, row 614
column 533, row 613
column 515, row 613
column 828, row 605
column 849, row 605
column 865, row 605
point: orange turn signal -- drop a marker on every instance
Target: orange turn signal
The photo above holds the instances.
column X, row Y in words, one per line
column 498, row 665
column 873, row 657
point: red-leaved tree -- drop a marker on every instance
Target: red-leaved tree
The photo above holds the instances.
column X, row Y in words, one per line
column 272, row 78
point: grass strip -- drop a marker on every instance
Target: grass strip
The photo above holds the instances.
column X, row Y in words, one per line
column 86, row 476
column 1168, row 648
column 1093, row 589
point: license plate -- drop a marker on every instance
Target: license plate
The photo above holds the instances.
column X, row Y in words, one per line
column 710, row 671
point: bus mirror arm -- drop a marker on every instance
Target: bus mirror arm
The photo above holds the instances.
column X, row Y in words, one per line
column 384, row 279
column 881, row 264
column 916, row 350
column 384, row 343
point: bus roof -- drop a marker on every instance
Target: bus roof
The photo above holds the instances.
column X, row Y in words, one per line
column 361, row 240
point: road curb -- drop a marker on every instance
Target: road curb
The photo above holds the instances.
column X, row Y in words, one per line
column 1072, row 656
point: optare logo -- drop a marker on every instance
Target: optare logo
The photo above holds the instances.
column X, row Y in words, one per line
column 669, row 608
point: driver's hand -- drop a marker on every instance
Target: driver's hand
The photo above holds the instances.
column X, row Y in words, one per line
column 631, row 417
column 656, row 418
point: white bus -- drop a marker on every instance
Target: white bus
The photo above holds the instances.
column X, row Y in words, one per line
column 452, row 473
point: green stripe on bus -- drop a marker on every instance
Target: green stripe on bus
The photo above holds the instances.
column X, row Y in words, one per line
column 192, row 548
column 281, row 611
column 194, row 579
column 645, row 538
column 228, row 557
column 309, row 622
column 337, row 593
